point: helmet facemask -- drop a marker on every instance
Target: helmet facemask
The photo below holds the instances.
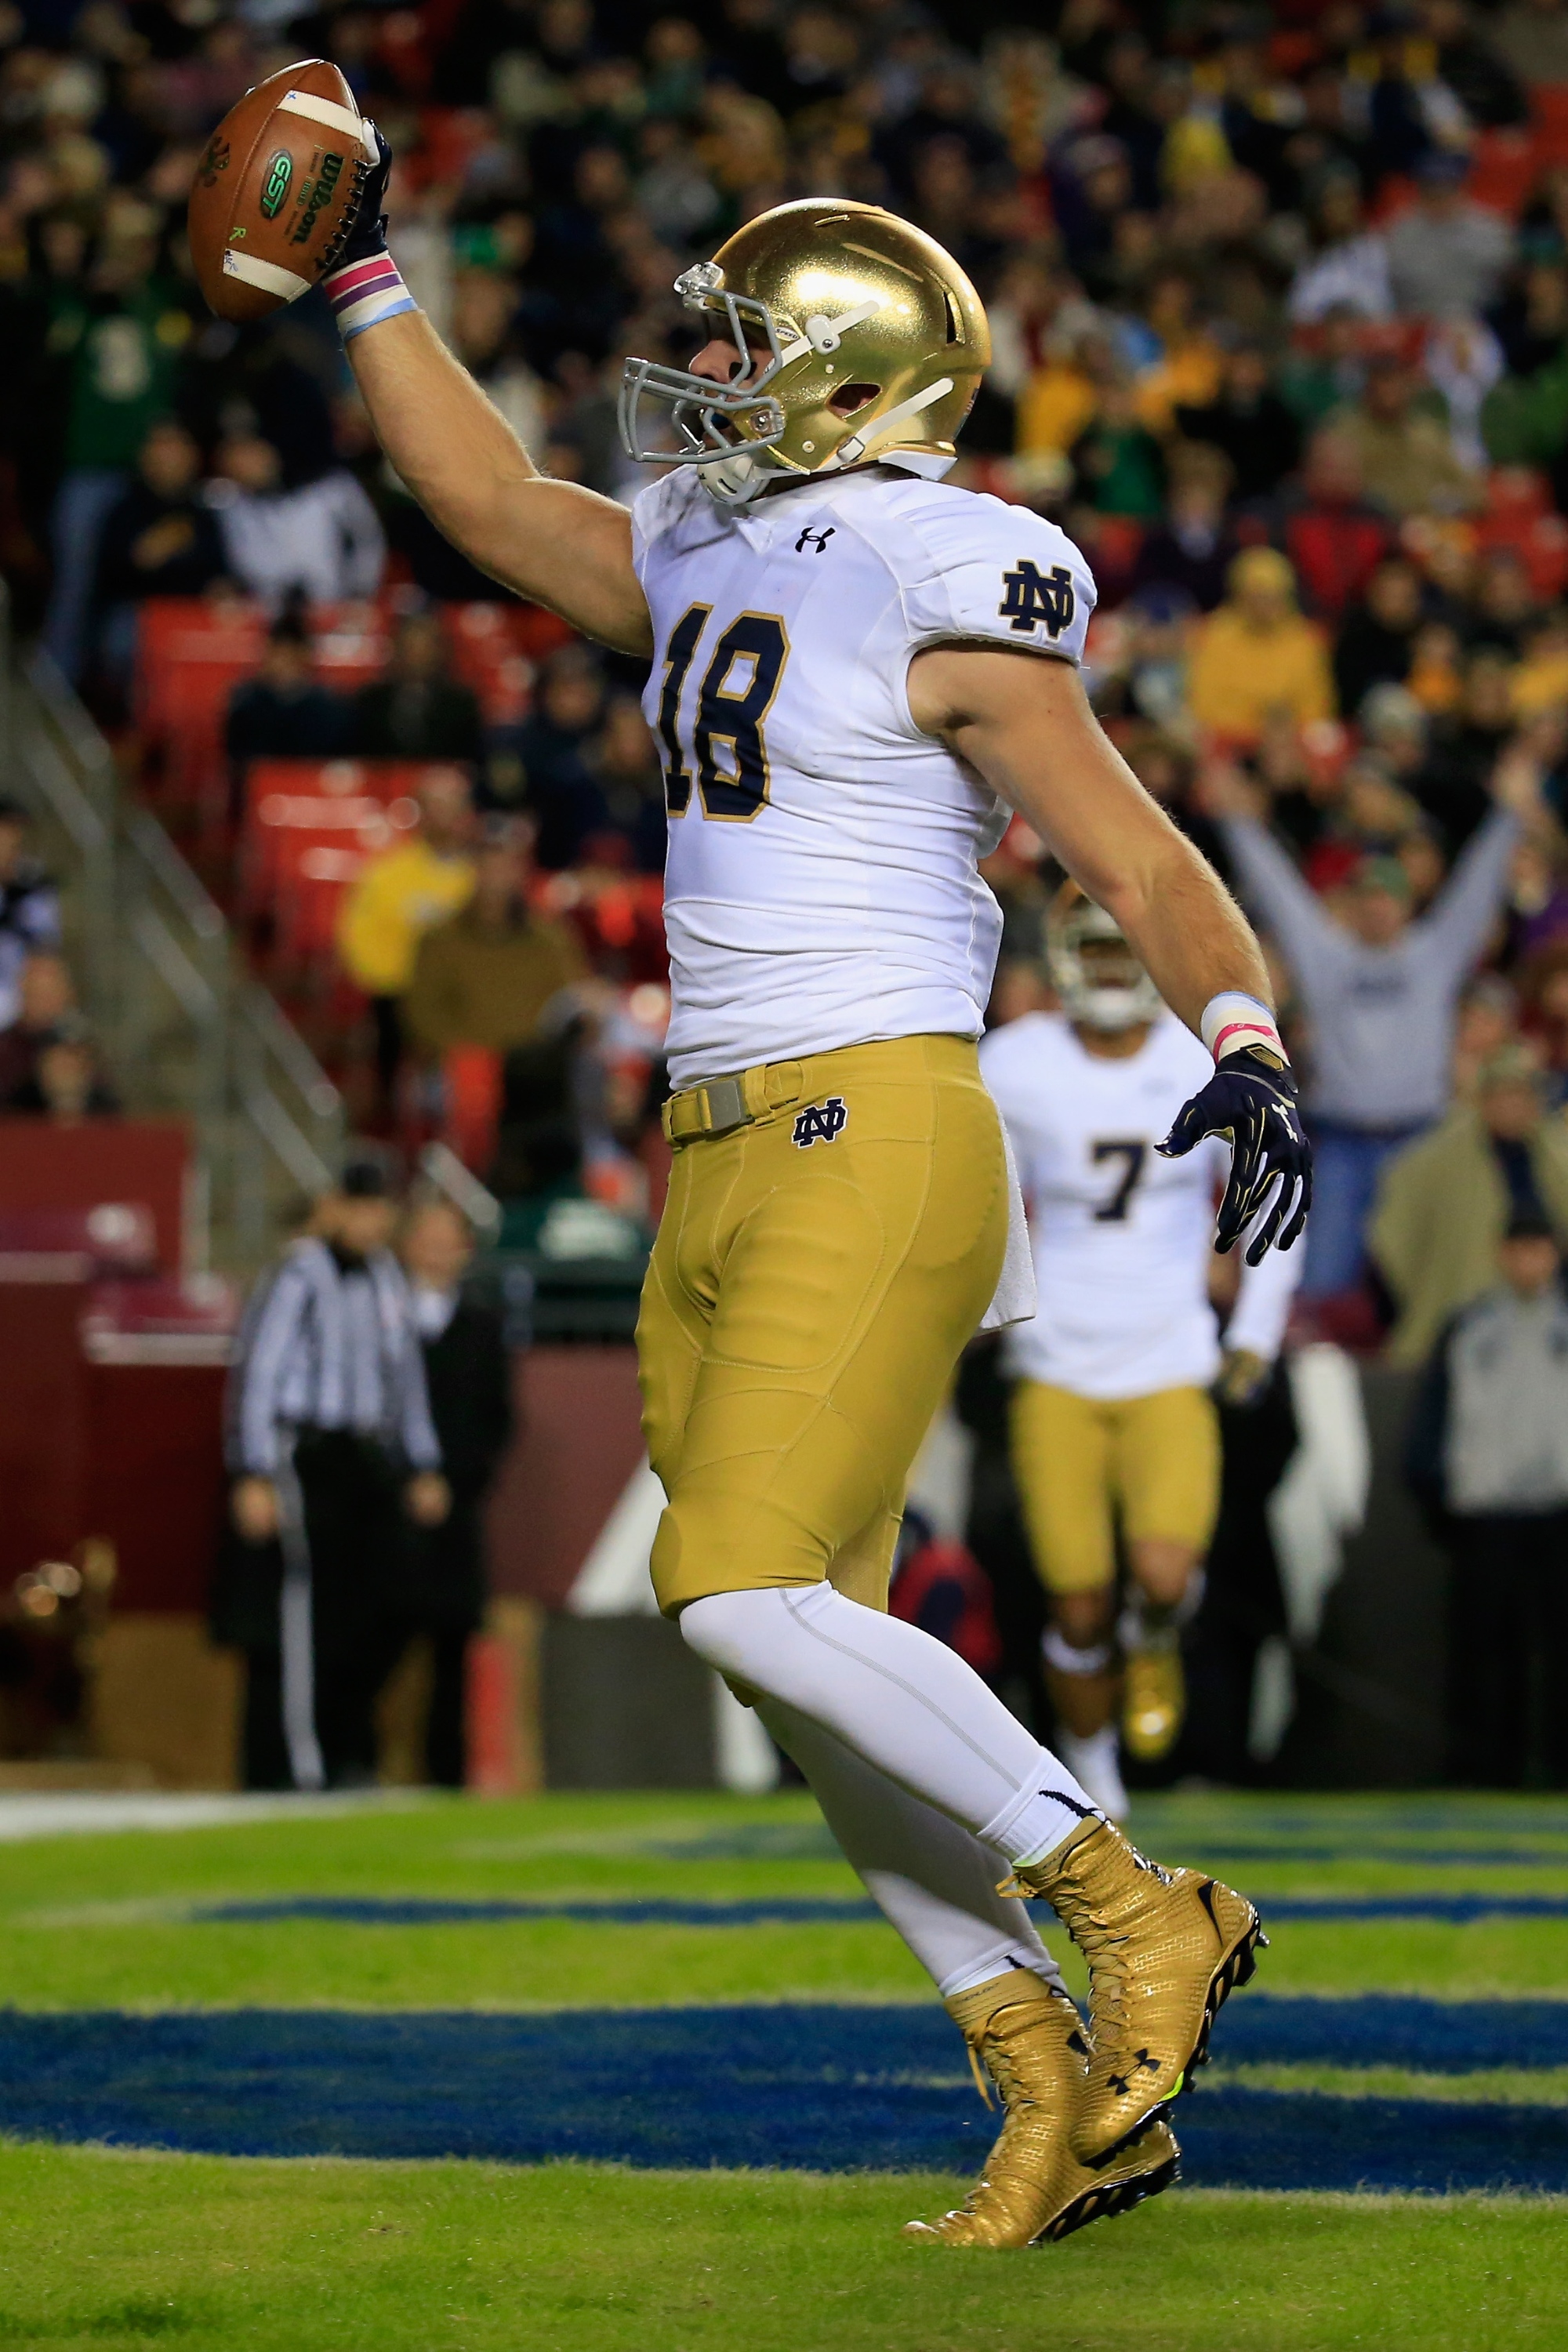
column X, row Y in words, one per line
column 722, row 427
column 1102, row 984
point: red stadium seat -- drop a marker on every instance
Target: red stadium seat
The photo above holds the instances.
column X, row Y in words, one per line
column 1503, row 167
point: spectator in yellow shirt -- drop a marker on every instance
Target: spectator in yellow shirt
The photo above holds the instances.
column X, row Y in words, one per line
column 1257, row 657
column 394, row 902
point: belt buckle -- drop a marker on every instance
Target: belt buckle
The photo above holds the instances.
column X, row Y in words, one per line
column 723, row 1106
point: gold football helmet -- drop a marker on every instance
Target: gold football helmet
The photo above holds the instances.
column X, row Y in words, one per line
column 825, row 301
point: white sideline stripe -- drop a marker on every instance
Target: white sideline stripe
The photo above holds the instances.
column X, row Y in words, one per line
column 265, row 274
column 50, row 1814
column 341, row 118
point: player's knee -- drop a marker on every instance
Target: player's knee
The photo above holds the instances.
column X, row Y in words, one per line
column 1163, row 1567
column 1084, row 1618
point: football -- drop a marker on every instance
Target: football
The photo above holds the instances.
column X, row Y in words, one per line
column 276, row 191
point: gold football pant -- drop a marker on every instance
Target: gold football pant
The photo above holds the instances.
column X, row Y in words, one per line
column 813, row 1280
column 1082, row 1465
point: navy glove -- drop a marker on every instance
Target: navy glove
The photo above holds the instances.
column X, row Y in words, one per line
column 364, row 236
column 1252, row 1098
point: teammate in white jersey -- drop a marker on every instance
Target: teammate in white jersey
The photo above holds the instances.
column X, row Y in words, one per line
column 1113, row 1428
column 854, row 670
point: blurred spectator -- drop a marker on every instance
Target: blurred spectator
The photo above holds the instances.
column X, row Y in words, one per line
column 1488, row 1020
column 1117, row 460
column 440, row 1585
column 395, row 900
column 284, row 712
column 29, row 906
column 1256, row 655
column 1348, row 269
column 1376, row 644
column 1444, row 1203
column 417, row 709
column 1191, row 551
column 67, row 1084
column 1379, row 992
column 485, row 975
column 1407, row 458
column 1487, row 1451
column 320, row 539
column 159, row 540
column 1446, row 256
column 1248, row 422
column 1333, row 537
column 1465, row 747
column 1468, row 61
column 559, row 792
column 624, row 765
column 46, row 996
column 114, row 335
column 332, row 1444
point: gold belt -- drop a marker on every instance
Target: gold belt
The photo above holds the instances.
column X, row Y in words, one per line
column 725, row 1104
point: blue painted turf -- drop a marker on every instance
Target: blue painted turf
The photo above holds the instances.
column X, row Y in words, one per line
column 416, row 1911
column 814, row 2088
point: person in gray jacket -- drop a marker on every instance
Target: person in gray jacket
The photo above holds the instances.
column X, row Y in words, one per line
column 1379, row 990
column 1487, row 1455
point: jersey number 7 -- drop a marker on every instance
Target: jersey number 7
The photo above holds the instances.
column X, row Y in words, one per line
column 735, row 697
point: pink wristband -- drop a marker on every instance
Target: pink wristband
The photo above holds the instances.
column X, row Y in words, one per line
column 365, row 293
column 1232, row 1021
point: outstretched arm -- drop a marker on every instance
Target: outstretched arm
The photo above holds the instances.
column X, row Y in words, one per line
column 1024, row 725
column 553, row 542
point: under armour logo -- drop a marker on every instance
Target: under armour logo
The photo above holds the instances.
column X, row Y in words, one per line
column 817, row 539
column 1034, row 595
column 1121, row 2084
column 823, row 1123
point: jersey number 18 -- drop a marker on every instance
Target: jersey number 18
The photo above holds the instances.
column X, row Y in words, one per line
column 735, row 697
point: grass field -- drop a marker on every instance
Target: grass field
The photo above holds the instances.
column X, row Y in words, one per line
column 221, row 2048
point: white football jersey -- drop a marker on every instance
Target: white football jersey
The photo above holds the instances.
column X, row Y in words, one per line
column 1121, row 1238
column 820, row 887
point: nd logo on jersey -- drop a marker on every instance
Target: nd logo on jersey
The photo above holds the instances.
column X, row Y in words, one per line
column 822, row 1123
column 1034, row 595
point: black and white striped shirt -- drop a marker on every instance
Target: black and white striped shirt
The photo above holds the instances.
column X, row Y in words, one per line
column 330, row 1345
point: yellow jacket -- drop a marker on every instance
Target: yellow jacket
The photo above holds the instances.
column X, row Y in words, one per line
column 1240, row 676
column 391, row 905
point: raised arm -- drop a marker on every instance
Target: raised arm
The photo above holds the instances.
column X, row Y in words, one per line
column 554, row 542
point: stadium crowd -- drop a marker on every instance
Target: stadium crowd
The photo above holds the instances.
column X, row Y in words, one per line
column 1280, row 308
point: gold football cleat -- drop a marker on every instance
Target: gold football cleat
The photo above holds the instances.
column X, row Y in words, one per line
column 1030, row 2042
column 1165, row 1947
column 1154, row 1699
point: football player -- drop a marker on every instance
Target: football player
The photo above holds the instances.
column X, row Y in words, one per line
column 1112, row 1423
column 854, row 671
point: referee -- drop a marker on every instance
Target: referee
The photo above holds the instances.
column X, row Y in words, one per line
column 332, row 1440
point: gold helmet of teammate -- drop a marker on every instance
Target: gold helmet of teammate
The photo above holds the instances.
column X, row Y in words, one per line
column 856, row 335
column 1101, row 981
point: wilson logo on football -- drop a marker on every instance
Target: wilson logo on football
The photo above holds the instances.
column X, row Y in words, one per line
column 280, row 173
column 318, row 195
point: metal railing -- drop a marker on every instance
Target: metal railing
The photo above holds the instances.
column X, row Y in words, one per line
column 187, row 1032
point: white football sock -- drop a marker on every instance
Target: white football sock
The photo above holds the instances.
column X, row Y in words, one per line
column 936, row 1883
column 902, row 1701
